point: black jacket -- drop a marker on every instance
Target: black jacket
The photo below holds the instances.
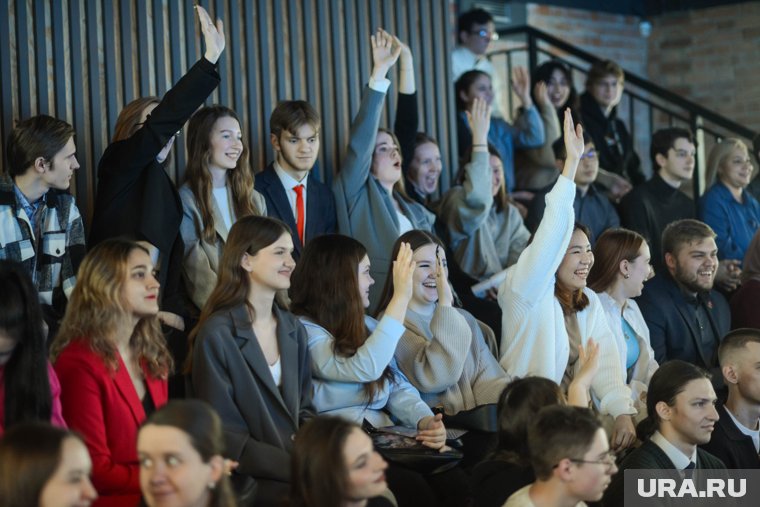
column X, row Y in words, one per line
column 732, row 446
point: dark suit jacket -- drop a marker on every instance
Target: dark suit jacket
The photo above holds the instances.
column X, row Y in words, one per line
column 732, row 446
column 230, row 372
column 650, row 456
column 135, row 197
column 672, row 321
column 104, row 408
column 320, row 206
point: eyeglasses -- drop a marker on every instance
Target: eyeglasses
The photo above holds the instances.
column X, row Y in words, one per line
column 608, row 461
column 485, row 34
column 589, row 154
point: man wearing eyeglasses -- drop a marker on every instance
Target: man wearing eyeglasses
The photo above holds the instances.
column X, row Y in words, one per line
column 591, row 205
column 571, row 458
column 475, row 31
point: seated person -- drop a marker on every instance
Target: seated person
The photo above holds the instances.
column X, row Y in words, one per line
column 591, row 205
column 736, row 439
column 754, row 186
column 650, row 207
column 570, row 457
column 744, row 301
column 681, row 415
column 621, row 266
column 697, row 316
column 733, row 213
column 604, row 88
column 528, row 132
column 292, row 192
column 42, row 227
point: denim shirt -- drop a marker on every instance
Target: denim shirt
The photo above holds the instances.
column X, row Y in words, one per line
column 734, row 223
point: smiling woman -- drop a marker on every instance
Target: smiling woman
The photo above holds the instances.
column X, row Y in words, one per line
column 217, row 192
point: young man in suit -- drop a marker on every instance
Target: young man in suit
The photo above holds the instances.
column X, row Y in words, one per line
column 292, row 193
column 41, row 225
column 571, row 458
column 685, row 316
column 681, row 416
column 736, row 439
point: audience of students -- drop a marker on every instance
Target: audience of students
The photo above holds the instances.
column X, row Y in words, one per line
column 335, row 465
column 112, row 362
column 592, row 207
column 41, row 225
column 744, row 301
column 29, row 387
column 181, row 453
column 293, row 194
column 621, row 266
column 249, row 357
column 733, row 213
column 736, row 439
column 218, row 190
column 44, row 466
column 548, row 311
column 681, row 416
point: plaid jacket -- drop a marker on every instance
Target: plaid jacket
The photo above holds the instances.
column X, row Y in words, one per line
column 53, row 261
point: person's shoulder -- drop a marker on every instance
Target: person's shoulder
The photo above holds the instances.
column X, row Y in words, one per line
column 648, row 455
column 708, row 460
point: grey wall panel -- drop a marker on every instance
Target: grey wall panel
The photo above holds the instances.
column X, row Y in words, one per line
column 83, row 60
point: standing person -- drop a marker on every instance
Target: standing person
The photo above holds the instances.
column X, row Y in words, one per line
column 44, row 466
column 218, row 190
column 604, row 89
column 681, row 416
column 250, row 359
column 42, row 227
column 112, row 361
column 369, row 191
column 335, row 465
column 181, row 448
column 731, row 211
column 527, row 132
column 29, row 387
column 744, row 302
column 621, row 266
column 135, row 196
column 548, row 311
column 571, row 458
column 293, row 193
column 736, row 439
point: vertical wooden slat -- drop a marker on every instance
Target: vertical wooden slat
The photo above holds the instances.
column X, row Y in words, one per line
column 143, row 57
column 159, row 48
column 235, row 54
column 329, row 138
column 111, row 81
column 255, row 111
column 6, row 108
column 22, row 56
column 40, row 50
column 280, row 68
column 294, row 41
column 97, row 113
column 127, row 71
column 264, row 77
column 76, row 25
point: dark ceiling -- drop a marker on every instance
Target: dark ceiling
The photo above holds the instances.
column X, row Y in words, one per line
column 644, row 8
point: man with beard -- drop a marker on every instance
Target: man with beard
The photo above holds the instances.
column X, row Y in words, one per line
column 736, row 440
column 686, row 318
column 292, row 192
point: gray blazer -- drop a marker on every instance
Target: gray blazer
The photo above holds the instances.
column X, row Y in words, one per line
column 200, row 262
column 229, row 371
column 364, row 208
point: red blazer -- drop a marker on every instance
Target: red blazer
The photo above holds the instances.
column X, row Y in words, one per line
column 105, row 409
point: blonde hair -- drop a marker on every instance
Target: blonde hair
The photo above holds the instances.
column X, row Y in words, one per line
column 719, row 155
column 97, row 309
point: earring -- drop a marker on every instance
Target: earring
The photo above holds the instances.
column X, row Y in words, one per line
column 212, row 485
column 626, row 276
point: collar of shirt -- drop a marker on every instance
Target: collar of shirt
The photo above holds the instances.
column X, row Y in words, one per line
column 753, row 434
column 287, row 180
column 29, row 208
column 679, row 459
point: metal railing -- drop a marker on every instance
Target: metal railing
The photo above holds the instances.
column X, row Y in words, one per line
column 644, row 106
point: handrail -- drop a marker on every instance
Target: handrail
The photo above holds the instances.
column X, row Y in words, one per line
column 632, row 78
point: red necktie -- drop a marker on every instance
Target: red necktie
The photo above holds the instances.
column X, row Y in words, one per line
column 298, row 189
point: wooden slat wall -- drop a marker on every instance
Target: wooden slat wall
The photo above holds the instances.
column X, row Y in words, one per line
column 82, row 60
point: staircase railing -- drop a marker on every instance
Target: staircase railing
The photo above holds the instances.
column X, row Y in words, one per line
column 644, row 106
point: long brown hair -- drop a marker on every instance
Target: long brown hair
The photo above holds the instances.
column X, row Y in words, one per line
column 247, row 236
column 318, row 469
column 325, row 288
column 129, row 117
column 198, row 178
column 97, row 309
column 612, row 247
column 572, row 301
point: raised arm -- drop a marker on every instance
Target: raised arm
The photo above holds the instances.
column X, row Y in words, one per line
column 529, row 132
column 407, row 113
column 355, row 169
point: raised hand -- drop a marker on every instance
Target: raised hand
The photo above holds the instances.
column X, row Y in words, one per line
column 385, row 52
column 541, row 92
column 479, row 117
column 521, row 85
column 574, row 144
column 213, row 36
column 431, row 431
column 403, row 274
column 445, row 297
